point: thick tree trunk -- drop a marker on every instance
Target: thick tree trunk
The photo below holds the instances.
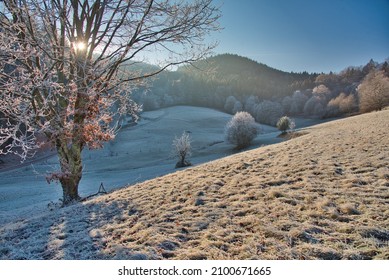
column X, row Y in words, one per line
column 70, row 189
column 71, row 171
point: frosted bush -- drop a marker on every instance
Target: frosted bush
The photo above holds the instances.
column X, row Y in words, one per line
column 285, row 123
column 241, row 130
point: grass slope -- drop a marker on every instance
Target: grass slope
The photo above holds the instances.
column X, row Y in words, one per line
column 324, row 195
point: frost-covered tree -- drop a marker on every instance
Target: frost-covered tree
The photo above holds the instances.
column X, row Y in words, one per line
column 319, row 110
column 374, row 92
column 182, row 149
column 238, row 107
column 250, row 103
column 229, row 104
column 322, row 92
column 241, row 130
column 348, row 104
column 287, row 104
column 67, row 68
column 312, row 104
column 342, row 104
column 268, row 112
column 285, row 123
column 298, row 102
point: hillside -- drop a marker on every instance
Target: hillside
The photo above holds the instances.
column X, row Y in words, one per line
column 137, row 153
column 210, row 81
column 323, row 195
column 242, row 77
column 232, row 64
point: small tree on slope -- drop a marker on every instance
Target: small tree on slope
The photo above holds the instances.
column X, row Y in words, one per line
column 66, row 69
column 285, row 123
column 241, row 130
column 182, row 149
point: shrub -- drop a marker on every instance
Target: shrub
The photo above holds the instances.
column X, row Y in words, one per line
column 285, row 123
column 241, row 130
column 182, row 149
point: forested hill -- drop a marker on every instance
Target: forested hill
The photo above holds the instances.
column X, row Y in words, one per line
column 244, row 76
column 210, row 81
column 232, row 83
column 232, row 64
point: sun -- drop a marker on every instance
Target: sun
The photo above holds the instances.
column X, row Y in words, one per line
column 80, row 46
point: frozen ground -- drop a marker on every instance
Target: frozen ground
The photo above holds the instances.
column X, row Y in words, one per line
column 138, row 153
column 323, row 195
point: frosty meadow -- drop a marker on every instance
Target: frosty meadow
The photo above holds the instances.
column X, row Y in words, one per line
column 319, row 196
column 200, row 155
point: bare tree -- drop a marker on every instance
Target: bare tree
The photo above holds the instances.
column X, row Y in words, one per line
column 182, row 149
column 67, row 68
column 374, row 92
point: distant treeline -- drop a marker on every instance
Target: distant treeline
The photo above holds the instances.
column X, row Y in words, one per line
column 232, row 83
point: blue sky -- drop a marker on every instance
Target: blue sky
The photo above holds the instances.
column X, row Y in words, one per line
column 311, row 35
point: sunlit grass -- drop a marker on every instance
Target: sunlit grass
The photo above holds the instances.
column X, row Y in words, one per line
column 323, row 195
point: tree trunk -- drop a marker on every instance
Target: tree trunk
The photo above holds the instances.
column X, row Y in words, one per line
column 70, row 189
column 71, row 171
column 183, row 163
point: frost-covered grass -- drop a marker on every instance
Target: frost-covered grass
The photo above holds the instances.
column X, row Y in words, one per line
column 323, row 195
column 138, row 153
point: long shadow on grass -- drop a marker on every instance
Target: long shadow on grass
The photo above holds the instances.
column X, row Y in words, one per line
column 89, row 235
column 76, row 232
